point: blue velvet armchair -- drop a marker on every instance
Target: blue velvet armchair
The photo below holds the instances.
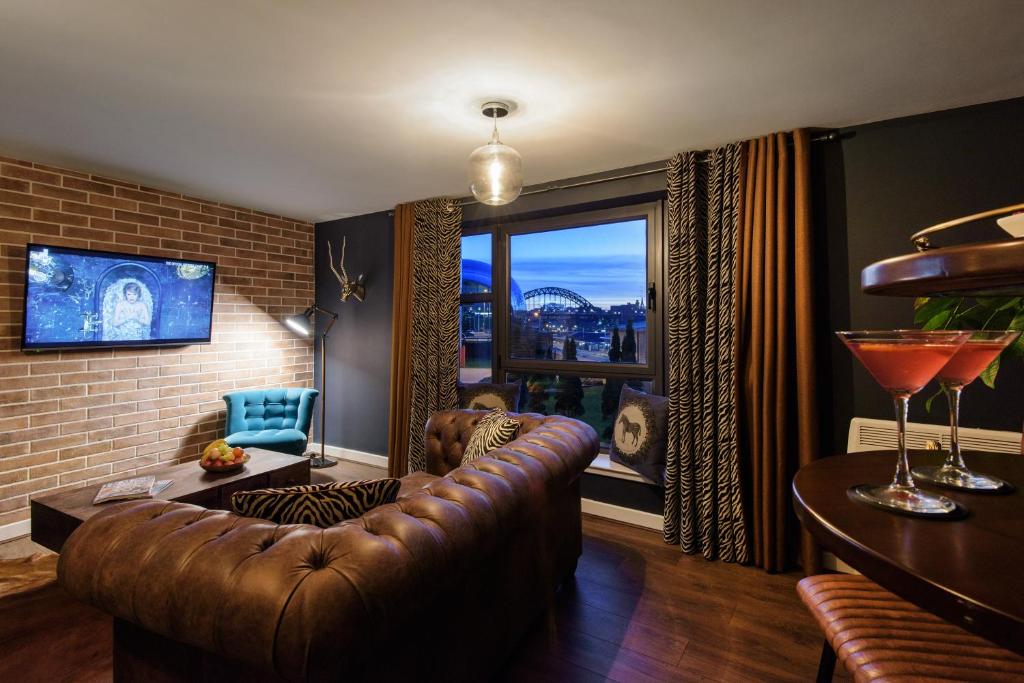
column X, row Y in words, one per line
column 275, row 419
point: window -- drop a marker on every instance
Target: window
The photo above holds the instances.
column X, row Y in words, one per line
column 567, row 307
column 578, row 294
column 476, row 351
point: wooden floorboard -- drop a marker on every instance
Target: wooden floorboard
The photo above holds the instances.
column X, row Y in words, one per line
column 346, row 470
column 640, row 610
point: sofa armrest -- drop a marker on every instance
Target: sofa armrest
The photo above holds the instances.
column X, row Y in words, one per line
column 307, row 401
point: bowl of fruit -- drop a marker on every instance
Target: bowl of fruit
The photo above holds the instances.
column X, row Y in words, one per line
column 220, row 457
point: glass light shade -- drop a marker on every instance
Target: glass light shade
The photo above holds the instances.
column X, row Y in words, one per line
column 495, row 173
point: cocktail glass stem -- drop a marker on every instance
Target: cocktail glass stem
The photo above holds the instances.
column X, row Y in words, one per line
column 902, row 479
column 952, row 391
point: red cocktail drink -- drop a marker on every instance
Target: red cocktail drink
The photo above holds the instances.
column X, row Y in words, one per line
column 903, row 361
column 902, row 366
column 967, row 363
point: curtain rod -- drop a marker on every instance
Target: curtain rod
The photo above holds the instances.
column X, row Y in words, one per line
column 830, row 136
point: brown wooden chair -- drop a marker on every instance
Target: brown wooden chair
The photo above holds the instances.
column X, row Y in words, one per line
column 878, row 636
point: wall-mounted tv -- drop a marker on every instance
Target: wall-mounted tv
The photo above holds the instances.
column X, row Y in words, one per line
column 80, row 298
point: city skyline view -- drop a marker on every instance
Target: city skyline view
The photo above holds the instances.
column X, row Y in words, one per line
column 554, row 275
column 606, row 264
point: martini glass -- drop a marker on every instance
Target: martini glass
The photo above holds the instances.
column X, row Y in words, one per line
column 970, row 360
column 902, row 362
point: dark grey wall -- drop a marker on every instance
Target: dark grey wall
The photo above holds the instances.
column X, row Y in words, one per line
column 359, row 345
column 873, row 191
column 621, row 192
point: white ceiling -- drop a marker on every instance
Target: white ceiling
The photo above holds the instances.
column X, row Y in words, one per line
column 317, row 109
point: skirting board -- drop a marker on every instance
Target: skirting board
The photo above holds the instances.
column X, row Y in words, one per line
column 617, row 513
column 15, row 530
column 601, row 465
column 353, row 455
column 646, row 520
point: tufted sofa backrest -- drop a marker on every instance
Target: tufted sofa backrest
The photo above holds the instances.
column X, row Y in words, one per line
column 322, row 604
column 258, row 409
column 448, row 432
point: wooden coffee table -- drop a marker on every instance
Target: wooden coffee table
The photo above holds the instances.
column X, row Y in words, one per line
column 54, row 517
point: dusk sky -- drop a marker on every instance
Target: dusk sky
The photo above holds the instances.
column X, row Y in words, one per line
column 606, row 263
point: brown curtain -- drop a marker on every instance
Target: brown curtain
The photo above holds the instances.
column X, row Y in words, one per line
column 425, row 325
column 777, row 358
column 703, row 491
column 401, row 343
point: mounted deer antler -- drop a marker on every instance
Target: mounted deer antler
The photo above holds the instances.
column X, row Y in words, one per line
column 348, row 287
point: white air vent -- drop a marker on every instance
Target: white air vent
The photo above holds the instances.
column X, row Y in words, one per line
column 873, row 435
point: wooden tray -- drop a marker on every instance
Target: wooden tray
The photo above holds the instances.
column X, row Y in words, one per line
column 981, row 269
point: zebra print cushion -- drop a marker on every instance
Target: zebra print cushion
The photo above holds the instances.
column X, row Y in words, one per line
column 494, row 430
column 321, row 504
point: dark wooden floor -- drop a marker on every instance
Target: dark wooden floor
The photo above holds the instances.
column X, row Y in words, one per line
column 639, row 610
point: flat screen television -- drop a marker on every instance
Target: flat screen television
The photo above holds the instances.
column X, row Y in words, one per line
column 80, row 298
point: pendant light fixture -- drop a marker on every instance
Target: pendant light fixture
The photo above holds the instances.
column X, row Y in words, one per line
column 495, row 169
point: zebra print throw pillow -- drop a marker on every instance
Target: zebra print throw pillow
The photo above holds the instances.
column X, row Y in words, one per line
column 321, row 504
column 494, row 430
column 640, row 433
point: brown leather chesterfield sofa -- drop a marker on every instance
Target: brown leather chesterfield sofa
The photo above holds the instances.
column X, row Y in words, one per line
column 440, row 585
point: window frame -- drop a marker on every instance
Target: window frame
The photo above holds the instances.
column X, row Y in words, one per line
column 501, row 273
column 499, row 298
column 497, row 326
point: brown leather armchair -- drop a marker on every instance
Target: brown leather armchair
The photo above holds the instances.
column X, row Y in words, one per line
column 440, row 585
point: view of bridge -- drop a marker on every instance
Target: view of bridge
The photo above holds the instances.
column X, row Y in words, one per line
column 558, row 296
column 574, row 294
column 543, row 318
column 553, row 315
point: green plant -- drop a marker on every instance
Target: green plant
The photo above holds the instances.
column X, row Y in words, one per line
column 964, row 313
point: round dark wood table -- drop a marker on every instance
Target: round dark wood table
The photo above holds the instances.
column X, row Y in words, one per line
column 968, row 571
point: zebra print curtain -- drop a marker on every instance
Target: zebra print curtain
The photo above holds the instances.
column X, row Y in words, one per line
column 434, row 353
column 703, row 494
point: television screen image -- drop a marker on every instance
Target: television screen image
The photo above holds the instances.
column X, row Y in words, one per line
column 84, row 298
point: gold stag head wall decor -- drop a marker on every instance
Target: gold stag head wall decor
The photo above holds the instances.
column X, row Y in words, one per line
column 348, row 287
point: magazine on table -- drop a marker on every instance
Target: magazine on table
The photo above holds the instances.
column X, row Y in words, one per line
column 131, row 489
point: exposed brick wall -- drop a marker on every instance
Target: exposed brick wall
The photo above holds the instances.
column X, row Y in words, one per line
column 69, row 418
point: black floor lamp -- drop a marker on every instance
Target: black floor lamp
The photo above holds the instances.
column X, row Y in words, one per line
column 302, row 323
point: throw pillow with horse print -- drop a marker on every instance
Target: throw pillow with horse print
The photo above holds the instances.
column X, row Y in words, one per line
column 640, row 432
column 487, row 396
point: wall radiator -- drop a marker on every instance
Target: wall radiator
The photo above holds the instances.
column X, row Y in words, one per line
column 872, row 435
